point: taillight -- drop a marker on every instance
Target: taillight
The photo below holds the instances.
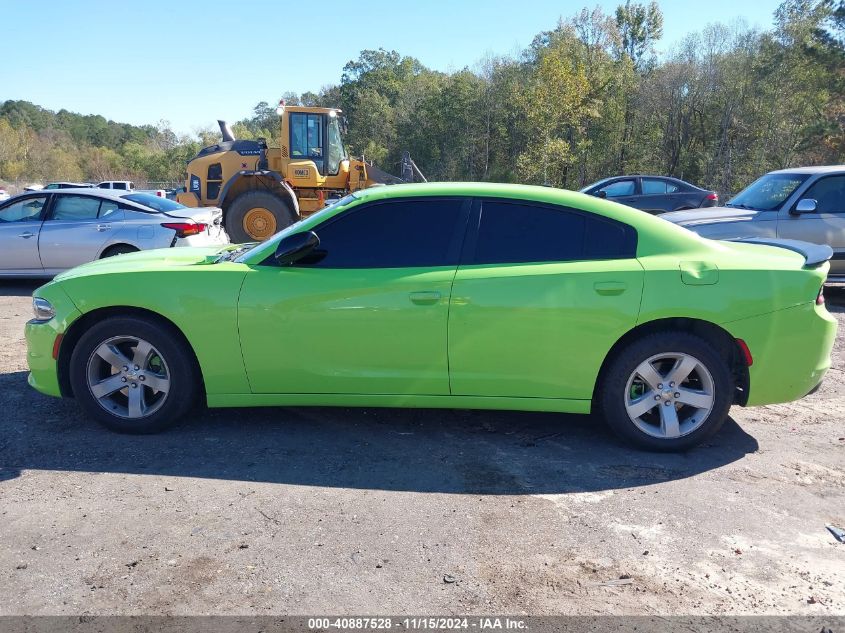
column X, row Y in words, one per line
column 184, row 229
column 160, row 194
column 820, row 296
column 713, row 196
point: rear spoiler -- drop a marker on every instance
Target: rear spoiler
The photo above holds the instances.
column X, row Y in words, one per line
column 814, row 254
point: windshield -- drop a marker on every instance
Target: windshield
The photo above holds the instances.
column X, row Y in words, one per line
column 595, row 184
column 337, row 152
column 767, row 193
column 316, row 218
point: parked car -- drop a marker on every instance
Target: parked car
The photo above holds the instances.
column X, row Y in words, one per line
column 46, row 232
column 128, row 185
column 806, row 203
column 4, row 195
column 124, row 185
column 456, row 295
column 171, row 194
column 655, row 194
column 68, row 185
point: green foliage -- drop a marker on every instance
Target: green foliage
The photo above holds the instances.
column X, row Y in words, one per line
column 588, row 98
column 640, row 26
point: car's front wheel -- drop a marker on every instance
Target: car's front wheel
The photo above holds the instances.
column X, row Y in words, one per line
column 666, row 391
column 133, row 375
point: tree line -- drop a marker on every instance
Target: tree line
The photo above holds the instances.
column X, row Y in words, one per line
column 587, row 99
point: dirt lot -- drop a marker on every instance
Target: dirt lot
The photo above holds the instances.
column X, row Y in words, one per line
column 414, row 512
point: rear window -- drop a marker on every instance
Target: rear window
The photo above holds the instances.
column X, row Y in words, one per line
column 154, row 202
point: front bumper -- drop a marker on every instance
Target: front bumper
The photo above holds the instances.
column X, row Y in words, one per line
column 791, row 351
column 43, row 368
column 41, row 338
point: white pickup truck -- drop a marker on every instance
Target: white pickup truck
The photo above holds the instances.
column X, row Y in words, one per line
column 128, row 185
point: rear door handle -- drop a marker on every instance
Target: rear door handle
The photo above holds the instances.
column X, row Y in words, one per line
column 609, row 288
column 426, row 297
column 26, row 235
column 104, row 227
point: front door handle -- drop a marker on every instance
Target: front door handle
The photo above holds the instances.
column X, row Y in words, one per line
column 103, row 227
column 26, row 235
column 424, row 298
column 609, row 288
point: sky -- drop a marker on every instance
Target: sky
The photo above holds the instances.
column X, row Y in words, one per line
column 191, row 62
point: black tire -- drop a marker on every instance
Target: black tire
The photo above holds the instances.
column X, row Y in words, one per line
column 174, row 356
column 118, row 249
column 612, row 392
column 236, row 214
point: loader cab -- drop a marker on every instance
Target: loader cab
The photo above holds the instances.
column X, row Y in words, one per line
column 312, row 135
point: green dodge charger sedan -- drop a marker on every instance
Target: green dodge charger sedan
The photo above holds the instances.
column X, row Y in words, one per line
column 452, row 295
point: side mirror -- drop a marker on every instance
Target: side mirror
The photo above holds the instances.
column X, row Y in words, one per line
column 807, row 205
column 294, row 247
column 600, row 194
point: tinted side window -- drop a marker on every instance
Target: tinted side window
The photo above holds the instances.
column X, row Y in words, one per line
column 619, row 188
column 651, row 186
column 521, row 233
column 607, row 239
column 394, row 235
column 107, row 207
column 829, row 194
column 75, row 208
column 23, row 210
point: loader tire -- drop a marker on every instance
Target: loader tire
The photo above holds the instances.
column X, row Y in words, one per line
column 255, row 216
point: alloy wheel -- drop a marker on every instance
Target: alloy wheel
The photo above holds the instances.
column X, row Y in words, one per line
column 128, row 377
column 669, row 395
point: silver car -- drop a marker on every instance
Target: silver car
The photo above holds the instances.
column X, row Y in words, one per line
column 43, row 233
column 805, row 203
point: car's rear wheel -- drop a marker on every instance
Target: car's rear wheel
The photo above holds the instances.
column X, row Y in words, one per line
column 133, row 375
column 118, row 249
column 666, row 391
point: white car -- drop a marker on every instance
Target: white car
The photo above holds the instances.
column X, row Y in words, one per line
column 124, row 185
column 43, row 233
column 4, row 195
column 128, row 185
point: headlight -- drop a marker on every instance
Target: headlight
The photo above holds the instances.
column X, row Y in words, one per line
column 43, row 309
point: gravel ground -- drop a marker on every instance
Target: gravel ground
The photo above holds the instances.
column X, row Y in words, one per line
column 343, row 511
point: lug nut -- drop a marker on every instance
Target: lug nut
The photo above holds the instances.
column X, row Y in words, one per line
column 137, row 368
column 125, row 368
column 123, row 379
column 657, row 397
column 671, row 384
column 677, row 394
column 135, row 386
column 667, row 403
column 143, row 378
column 660, row 385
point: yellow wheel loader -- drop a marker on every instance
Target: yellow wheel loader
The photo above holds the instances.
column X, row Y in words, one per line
column 262, row 190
